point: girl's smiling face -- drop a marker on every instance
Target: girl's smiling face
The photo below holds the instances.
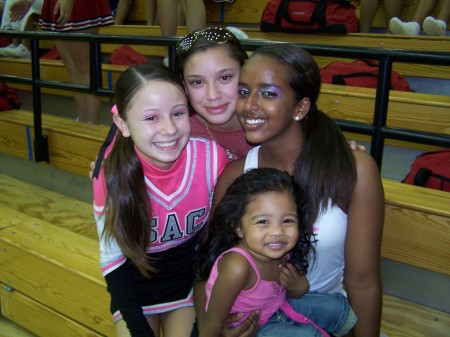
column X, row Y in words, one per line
column 158, row 122
column 211, row 78
column 269, row 226
column 266, row 104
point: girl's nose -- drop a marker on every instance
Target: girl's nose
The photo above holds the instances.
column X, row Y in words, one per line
column 252, row 102
column 213, row 92
column 277, row 230
column 168, row 127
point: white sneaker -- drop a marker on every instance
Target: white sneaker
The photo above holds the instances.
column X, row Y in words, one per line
column 20, row 52
column 398, row 27
column 5, row 50
column 434, row 27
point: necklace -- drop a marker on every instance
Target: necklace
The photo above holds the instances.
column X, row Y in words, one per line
column 231, row 154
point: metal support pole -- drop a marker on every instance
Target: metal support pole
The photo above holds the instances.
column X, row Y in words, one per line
column 41, row 152
column 381, row 108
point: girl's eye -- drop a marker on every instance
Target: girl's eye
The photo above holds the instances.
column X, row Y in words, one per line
column 242, row 92
column 179, row 113
column 225, row 77
column 268, row 93
column 290, row 221
column 150, row 118
column 262, row 222
column 195, row 82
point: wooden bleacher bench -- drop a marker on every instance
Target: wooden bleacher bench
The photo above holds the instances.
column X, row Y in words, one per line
column 333, row 97
column 49, row 269
column 419, row 43
column 249, row 12
column 49, row 260
column 72, row 147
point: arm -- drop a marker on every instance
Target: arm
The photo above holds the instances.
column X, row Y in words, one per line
column 118, row 279
column 18, row 9
column 233, row 170
column 363, row 245
column 247, row 328
column 234, row 276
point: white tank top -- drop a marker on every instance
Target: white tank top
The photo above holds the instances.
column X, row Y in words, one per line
column 326, row 272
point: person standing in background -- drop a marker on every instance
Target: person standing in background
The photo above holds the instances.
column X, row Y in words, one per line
column 168, row 16
column 369, row 8
column 120, row 9
column 77, row 16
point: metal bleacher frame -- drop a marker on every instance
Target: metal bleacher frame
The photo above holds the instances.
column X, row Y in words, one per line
column 378, row 130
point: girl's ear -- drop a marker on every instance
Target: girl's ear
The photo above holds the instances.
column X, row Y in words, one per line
column 121, row 125
column 302, row 109
column 239, row 232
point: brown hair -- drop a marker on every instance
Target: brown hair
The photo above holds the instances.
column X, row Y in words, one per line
column 128, row 210
column 325, row 168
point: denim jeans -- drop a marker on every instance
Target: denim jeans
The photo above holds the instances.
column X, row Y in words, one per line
column 331, row 312
column 280, row 325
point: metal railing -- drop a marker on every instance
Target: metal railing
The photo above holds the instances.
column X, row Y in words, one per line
column 378, row 130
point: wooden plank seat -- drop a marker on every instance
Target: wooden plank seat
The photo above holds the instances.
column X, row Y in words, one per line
column 419, row 43
column 49, row 269
column 71, row 148
column 51, row 69
column 53, row 286
column 249, row 12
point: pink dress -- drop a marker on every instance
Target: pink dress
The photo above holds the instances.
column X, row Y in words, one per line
column 265, row 296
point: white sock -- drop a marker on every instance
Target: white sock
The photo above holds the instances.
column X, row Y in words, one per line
column 434, row 27
column 398, row 27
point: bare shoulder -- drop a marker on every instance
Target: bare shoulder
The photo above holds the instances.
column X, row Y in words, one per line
column 233, row 170
column 366, row 167
column 235, row 261
column 234, row 266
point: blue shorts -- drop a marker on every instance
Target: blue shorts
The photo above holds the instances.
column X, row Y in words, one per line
column 331, row 312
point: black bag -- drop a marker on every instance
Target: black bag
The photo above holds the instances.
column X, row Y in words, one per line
column 309, row 16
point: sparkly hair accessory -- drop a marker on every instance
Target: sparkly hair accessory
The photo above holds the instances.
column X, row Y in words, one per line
column 214, row 34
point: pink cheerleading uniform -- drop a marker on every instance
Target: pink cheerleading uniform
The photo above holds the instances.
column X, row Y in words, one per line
column 181, row 200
